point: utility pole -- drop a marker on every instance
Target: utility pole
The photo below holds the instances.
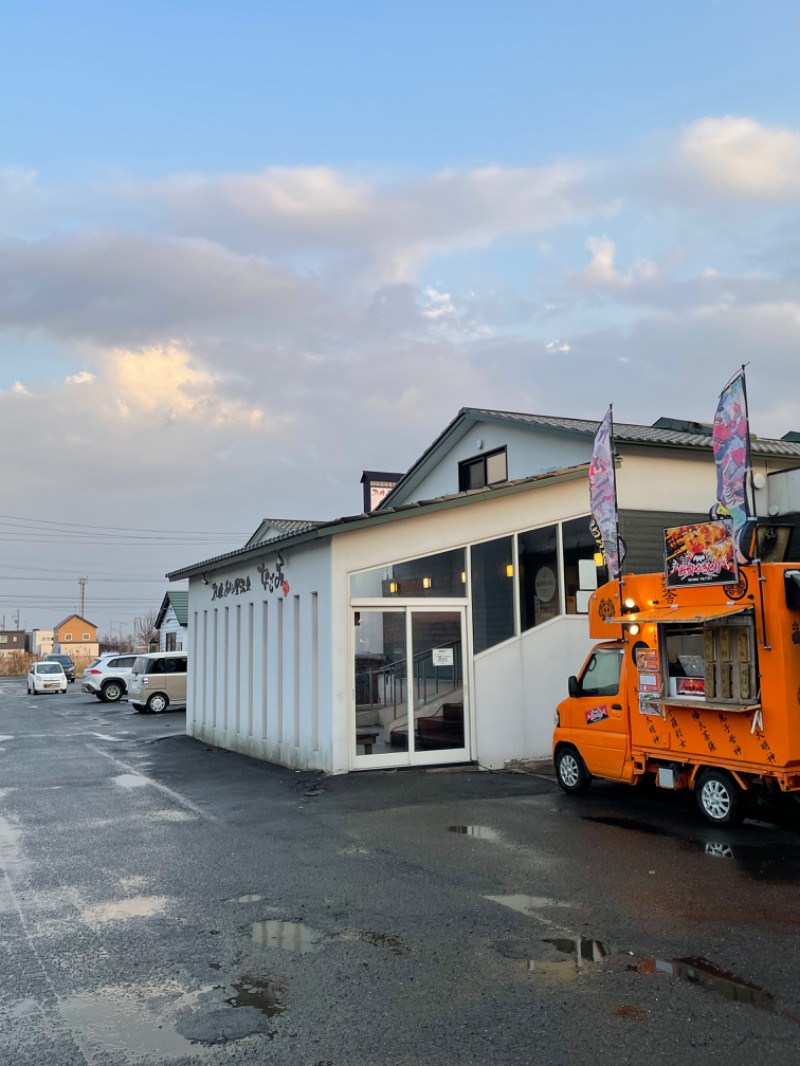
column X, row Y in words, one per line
column 82, row 581
column 17, row 619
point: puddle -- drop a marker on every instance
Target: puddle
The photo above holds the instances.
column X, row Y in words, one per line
column 130, row 780
column 251, row 897
column 530, row 905
column 769, row 863
column 627, row 823
column 122, row 910
column 116, row 1021
column 699, row 971
column 259, row 992
column 3, row 738
column 380, row 940
column 481, row 832
column 288, row 936
column 585, row 954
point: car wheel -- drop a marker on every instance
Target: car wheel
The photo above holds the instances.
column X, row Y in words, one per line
column 111, row 691
column 29, row 690
column 719, row 798
column 157, row 703
column 571, row 771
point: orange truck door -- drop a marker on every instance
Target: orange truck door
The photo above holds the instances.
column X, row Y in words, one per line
column 598, row 715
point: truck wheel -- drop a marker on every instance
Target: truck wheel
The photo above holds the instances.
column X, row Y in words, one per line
column 571, row 771
column 719, row 798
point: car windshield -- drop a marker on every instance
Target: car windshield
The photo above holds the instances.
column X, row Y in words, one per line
column 49, row 668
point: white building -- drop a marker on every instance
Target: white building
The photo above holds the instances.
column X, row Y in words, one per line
column 172, row 621
column 455, row 606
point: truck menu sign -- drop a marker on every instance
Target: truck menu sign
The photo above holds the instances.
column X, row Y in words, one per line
column 700, row 555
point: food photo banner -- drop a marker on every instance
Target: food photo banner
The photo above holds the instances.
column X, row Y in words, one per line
column 702, row 554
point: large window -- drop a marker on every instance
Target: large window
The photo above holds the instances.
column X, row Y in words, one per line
column 429, row 577
column 578, row 548
column 492, row 593
column 539, row 592
column 482, row 470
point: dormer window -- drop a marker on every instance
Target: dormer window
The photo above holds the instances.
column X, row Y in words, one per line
column 488, row 469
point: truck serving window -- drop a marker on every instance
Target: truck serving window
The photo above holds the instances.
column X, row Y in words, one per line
column 601, row 676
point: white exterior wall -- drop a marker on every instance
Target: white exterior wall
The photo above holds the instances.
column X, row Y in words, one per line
column 260, row 662
column 172, row 625
column 518, row 685
column 528, row 452
column 514, row 687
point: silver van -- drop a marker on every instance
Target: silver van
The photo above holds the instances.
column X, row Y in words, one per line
column 157, row 681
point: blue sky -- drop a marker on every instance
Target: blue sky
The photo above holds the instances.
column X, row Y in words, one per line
column 231, row 233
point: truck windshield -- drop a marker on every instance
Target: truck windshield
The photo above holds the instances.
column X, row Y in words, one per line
column 601, row 676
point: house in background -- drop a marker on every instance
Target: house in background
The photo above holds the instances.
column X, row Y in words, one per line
column 77, row 637
column 39, row 642
column 172, row 622
column 442, row 625
column 11, row 641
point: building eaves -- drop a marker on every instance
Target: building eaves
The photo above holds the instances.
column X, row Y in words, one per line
column 324, row 530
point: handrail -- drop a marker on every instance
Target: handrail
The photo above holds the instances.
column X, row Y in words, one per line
column 395, row 677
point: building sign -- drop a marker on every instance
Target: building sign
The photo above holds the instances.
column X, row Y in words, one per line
column 442, row 656
column 271, row 581
column 700, row 555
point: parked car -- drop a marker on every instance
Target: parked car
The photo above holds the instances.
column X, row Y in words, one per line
column 66, row 662
column 46, row 677
column 158, row 681
column 107, row 677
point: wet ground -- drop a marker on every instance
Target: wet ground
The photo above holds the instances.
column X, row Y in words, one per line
column 166, row 902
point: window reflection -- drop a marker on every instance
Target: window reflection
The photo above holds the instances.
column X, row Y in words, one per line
column 492, row 593
column 540, row 595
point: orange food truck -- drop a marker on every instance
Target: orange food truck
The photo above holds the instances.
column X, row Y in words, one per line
column 697, row 685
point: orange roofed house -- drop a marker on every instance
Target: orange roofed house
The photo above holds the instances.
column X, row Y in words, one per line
column 76, row 637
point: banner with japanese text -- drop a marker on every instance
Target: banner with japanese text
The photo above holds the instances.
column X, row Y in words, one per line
column 731, row 444
column 603, row 494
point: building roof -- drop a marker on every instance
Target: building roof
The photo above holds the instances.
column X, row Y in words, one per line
column 70, row 617
column 282, row 527
column 665, row 433
column 179, row 601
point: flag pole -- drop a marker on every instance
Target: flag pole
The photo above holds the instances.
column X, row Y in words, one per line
column 761, row 578
column 616, row 502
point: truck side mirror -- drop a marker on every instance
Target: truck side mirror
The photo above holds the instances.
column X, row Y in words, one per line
column 573, row 686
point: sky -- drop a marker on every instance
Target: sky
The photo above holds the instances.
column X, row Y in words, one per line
column 249, row 250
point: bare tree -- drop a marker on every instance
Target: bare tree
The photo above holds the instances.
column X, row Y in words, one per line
column 144, row 628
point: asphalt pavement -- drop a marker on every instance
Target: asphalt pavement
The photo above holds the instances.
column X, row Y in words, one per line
column 163, row 901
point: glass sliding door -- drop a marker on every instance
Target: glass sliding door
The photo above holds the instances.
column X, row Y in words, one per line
column 438, row 684
column 409, row 686
column 381, row 681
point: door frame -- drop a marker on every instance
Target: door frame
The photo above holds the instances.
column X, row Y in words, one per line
column 411, row 757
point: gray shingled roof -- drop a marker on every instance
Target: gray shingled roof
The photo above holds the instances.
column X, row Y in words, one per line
column 284, row 526
column 632, row 434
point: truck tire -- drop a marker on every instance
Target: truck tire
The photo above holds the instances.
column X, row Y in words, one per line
column 571, row 771
column 719, row 798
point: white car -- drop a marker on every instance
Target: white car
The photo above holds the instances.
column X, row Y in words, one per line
column 46, row 677
column 107, row 677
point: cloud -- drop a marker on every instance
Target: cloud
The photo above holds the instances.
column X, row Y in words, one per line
column 389, row 227
column 163, row 381
column 602, row 272
column 742, row 158
column 116, row 288
column 83, row 377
